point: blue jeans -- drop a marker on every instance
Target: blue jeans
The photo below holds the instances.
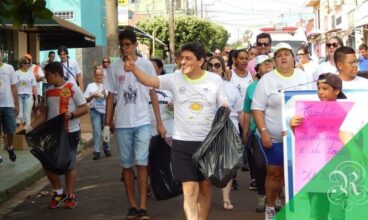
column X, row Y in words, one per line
column 25, row 108
column 133, row 145
column 98, row 121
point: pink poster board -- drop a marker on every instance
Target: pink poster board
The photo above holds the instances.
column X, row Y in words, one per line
column 317, row 139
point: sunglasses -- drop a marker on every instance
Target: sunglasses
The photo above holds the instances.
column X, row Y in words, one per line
column 214, row 65
column 262, row 44
column 301, row 54
column 106, row 61
column 26, row 63
column 334, row 45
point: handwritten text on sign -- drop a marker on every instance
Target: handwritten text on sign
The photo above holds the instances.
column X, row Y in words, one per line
column 317, row 139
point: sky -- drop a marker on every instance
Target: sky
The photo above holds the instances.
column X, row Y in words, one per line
column 237, row 16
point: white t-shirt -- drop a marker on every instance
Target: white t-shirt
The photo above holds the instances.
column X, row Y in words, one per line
column 267, row 98
column 98, row 103
column 310, row 68
column 167, row 115
column 241, row 83
column 73, row 67
column 325, row 67
column 235, row 102
column 7, row 79
column 132, row 106
column 357, row 83
column 26, row 80
column 39, row 73
column 195, row 103
column 56, row 102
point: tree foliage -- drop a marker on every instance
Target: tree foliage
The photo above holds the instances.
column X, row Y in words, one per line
column 187, row 28
column 23, row 11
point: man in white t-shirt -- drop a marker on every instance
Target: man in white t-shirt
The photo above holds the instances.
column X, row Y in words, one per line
column 132, row 121
column 197, row 94
column 72, row 72
column 51, row 58
column 9, row 105
column 347, row 65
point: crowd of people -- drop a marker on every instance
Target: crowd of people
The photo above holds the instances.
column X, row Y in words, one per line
column 135, row 99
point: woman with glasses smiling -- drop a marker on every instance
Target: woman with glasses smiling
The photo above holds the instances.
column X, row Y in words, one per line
column 329, row 66
column 216, row 64
column 27, row 87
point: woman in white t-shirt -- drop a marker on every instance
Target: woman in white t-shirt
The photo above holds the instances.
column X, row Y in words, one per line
column 216, row 64
column 27, row 88
column 305, row 63
column 95, row 94
column 266, row 107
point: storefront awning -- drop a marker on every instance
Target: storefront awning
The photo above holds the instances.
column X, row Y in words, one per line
column 55, row 32
column 140, row 33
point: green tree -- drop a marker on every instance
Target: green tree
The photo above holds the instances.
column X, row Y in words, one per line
column 23, row 11
column 187, row 28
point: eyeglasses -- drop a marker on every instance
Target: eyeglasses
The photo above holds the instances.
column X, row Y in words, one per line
column 301, row 54
column 125, row 45
column 26, row 63
column 334, row 45
column 259, row 44
column 214, row 65
column 353, row 63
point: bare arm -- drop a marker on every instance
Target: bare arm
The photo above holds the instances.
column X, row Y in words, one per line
column 80, row 111
column 40, row 118
column 109, row 111
column 156, row 109
column 14, row 90
column 80, row 81
column 145, row 79
column 259, row 118
column 245, row 125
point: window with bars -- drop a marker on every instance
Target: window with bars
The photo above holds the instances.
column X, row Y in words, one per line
column 67, row 15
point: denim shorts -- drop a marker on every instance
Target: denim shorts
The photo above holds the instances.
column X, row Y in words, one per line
column 7, row 120
column 133, row 145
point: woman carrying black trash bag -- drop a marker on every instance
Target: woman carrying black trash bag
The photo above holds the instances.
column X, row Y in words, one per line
column 62, row 98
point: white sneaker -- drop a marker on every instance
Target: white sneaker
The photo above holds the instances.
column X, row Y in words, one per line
column 270, row 213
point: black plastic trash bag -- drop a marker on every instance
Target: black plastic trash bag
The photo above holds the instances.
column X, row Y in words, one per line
column 162, row 180
column 49, row 143
column 221, row 153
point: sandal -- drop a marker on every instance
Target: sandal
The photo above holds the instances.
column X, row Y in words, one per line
column 228, row 206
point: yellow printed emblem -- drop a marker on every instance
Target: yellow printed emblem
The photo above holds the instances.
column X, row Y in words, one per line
column 196, row 106
column 23, row 84
column 65, row 93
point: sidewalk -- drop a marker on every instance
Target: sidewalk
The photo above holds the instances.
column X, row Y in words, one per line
column 15, row 176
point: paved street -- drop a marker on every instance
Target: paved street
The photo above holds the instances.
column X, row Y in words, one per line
column 100, row 195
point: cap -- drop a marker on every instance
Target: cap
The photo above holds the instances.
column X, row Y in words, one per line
column 281, row 46
column 262, row 58
column 28, row 56
column 334, row 81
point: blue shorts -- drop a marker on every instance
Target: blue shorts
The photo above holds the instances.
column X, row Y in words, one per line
column 133, row 145
column 275, row 154
column 7, row 120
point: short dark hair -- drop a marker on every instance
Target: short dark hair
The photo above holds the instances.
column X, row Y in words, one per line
column 63, row 49
column 304, row 49
column 128, row 34
column 158, row 62
column 237, row 52
column 341, row 52
column 263, row 35
column 55, row 67
column 51, row 52
column 363, row 47
column 196, row 48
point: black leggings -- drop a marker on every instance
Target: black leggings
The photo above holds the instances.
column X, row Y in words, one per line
column 257, row 162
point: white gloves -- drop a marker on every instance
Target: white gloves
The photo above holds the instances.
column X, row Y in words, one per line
column 106, row 133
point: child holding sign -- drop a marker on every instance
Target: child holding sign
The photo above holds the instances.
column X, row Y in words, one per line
column 329, row 89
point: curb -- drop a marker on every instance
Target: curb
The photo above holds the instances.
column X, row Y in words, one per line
column 32, row 175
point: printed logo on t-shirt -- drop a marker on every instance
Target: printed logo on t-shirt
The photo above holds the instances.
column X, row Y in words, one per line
column 23, row 84
column 121, row 78
column 65, row 93
column 196, row 106
column 130, row 96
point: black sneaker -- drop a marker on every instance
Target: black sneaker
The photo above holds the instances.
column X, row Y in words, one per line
column 11, row 153
column 245, row 167
column 235, row 185
column 132, row 213
column 96, row 156
column 108, row 153
column 1, row 160
column 143, row 215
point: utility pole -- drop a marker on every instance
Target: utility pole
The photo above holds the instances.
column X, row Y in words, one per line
column 186, row 7
column 201, row 8
column 112, row 28
column 171, row 30
column 195, row 8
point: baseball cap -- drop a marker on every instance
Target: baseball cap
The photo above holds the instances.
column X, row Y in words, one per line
column 262, row 58
column 334, row 81
column 28, row 56
column 281, row 46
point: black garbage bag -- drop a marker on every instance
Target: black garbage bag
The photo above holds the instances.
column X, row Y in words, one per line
column 49, row 143
column 221, row 153
column 162, row 180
